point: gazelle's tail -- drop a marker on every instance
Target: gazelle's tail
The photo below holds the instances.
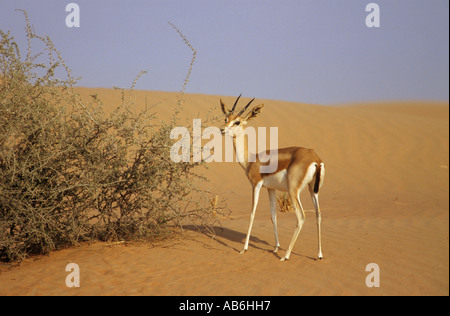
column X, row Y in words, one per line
column 318, row 173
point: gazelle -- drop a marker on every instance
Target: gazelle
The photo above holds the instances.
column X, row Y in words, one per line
column 297, row 168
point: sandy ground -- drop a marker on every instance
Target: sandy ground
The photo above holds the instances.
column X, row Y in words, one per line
column 385, row 200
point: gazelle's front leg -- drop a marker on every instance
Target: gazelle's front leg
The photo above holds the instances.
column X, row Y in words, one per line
column 255, row 199
column 273, row 212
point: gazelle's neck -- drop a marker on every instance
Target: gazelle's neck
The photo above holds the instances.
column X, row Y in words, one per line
column 241, row 149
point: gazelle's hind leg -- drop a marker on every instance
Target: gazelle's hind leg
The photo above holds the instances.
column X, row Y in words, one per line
column 315, row 199
column 273, row 212
column 300, row 214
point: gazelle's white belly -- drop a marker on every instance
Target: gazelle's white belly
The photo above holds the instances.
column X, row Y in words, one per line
column 277, row 181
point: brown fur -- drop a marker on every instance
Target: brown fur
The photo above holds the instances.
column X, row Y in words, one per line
column 294, row 159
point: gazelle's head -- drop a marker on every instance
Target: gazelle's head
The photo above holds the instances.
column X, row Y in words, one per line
column 234, row 123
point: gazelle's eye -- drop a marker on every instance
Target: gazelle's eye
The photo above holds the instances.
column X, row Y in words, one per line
column 237, row 122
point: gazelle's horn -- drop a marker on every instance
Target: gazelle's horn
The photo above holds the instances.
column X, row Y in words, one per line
column 235, row 103
column 245, row 107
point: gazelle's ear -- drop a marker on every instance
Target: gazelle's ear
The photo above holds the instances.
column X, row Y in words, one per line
column 224, row 108
column 254, row 112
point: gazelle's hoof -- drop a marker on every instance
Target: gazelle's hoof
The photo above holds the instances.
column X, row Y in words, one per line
column 243, row 251
column 275, row 250
column 284, row 259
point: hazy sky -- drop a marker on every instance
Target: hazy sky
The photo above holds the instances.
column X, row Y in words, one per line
column 297, row 50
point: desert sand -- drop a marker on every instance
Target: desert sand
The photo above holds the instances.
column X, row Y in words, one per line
column 384, row 200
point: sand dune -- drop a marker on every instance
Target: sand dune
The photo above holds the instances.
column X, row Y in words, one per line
column 385, row 200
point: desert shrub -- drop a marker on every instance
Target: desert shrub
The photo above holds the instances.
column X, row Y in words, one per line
column 284, row 203
column 70, row 172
